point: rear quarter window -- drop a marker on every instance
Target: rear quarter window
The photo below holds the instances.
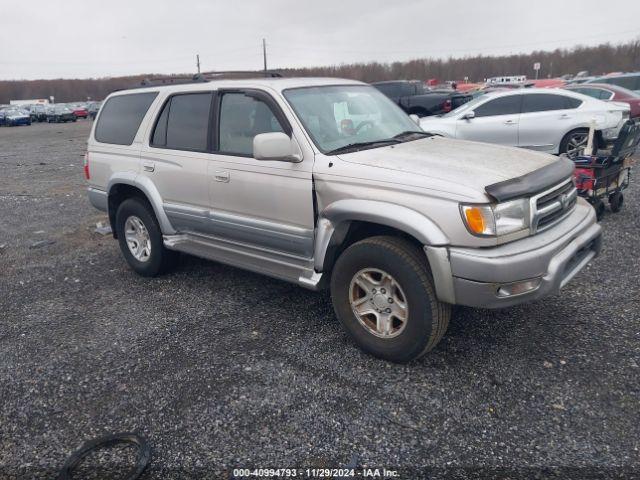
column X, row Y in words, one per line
column 120, row 117
column 631, row 82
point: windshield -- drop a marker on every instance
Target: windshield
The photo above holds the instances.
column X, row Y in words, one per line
column 339, row 116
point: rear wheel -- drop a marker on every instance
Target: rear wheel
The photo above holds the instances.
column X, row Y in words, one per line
column 616, row 201
column 383, row 294
column 599, row 207
column 140, row 239
column 574, row 142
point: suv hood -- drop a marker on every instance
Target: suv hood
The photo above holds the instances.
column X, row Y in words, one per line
column 473, row 164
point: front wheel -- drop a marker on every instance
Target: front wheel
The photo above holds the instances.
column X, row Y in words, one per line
column 140, row 239
column 383, row 294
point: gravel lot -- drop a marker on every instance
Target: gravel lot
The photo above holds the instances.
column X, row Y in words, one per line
column 220, row 368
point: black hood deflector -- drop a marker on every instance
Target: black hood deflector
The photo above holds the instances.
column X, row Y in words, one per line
column 532, row 182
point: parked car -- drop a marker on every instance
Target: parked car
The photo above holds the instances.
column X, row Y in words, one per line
column 414, row 98
column 547, row 120
column 610, row 92
column 630, row 81
column 80, row 111
column 38, row 112
column 13, row 117
column 579, row 80
column 60, row 114
column 326, row 182
column 93, row 109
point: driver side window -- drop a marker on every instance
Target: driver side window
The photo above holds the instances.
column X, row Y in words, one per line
column 241, row 118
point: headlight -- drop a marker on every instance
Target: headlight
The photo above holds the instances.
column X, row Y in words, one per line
column 492, row 220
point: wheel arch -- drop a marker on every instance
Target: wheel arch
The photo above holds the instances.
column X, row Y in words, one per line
column 128, row 185
column 347, row 221
column 597, row 136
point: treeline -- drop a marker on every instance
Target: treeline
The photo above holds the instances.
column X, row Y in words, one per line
column 597, row 60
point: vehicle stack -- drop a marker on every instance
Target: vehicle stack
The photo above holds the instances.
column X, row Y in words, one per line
column 28, row 113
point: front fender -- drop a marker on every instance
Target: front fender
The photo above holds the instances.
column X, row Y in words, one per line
column 334, row 221
column 150, row 191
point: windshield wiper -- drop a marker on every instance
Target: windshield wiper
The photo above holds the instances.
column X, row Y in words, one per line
column 412, row 132
column 358, row 145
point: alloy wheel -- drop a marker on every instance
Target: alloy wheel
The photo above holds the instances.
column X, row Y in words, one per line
column 378, row 302
column 576, row 143
column 138, row 239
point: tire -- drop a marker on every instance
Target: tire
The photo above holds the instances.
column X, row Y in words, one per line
column 159, row 259
column 570, row 141
column 616, row 201
column 599, row 207
column 426, row 317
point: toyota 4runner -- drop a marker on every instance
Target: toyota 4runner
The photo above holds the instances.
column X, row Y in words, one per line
column 328, row 183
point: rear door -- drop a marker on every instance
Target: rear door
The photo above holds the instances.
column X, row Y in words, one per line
column 495, row 121
column 175, row 158
column 545, row 118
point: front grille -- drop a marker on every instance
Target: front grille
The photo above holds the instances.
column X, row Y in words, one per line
column 550, row 206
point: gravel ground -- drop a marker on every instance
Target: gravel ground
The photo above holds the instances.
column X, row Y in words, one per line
column 220, row 368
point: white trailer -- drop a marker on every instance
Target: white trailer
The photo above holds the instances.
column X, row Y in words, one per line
column 34, row 101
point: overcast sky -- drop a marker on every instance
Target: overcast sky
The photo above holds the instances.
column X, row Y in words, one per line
column 98, row 38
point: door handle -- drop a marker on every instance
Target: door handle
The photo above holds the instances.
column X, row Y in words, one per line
column 221, row 176
column 564, row 116
column 509, row 122
column 149, row 166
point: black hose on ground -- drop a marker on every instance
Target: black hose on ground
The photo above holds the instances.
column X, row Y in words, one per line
column 144, row 453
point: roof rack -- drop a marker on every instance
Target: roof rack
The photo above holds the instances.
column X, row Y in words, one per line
column 204, row 77
column 250, row 73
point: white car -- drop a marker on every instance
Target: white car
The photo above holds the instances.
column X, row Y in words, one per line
column 543, row 119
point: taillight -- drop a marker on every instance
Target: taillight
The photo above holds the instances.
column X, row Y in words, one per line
column 447, row 106
column 85, row 166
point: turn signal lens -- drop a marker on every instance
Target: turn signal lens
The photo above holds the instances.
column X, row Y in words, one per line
column 479, row 219
column 496, row 219
column 475, row 220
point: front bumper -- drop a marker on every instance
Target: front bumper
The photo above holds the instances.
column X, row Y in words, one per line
column 474, row 277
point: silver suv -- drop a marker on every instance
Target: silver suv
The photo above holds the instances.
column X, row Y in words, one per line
column 327, row 183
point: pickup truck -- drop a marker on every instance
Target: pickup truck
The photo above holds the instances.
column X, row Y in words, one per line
column 415, row 99
column 326, row 183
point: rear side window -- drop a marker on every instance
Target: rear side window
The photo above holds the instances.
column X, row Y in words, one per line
column 571, row 102
column 545, row 102
column 121, row 116
column 183, row 123
column 458, row 100
column 391, row 89
column 591, row 92
column 630, row 82
column 500, row 106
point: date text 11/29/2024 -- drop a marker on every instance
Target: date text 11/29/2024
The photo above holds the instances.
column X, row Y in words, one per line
column 315, row 473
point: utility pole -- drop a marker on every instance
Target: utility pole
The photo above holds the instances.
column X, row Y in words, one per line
column 264, row 55
column 198, row 62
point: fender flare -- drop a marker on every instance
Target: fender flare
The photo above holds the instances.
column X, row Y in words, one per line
column 150, row 191
column 334, row 221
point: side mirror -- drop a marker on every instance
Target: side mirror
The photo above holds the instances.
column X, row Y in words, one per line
column 276, row 146
column 415, row 118
column 469, row 115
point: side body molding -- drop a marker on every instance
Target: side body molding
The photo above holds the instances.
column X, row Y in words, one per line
column 151, row 192
column 333, row 224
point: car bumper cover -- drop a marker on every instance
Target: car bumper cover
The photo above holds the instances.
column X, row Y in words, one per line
column 519, row 271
